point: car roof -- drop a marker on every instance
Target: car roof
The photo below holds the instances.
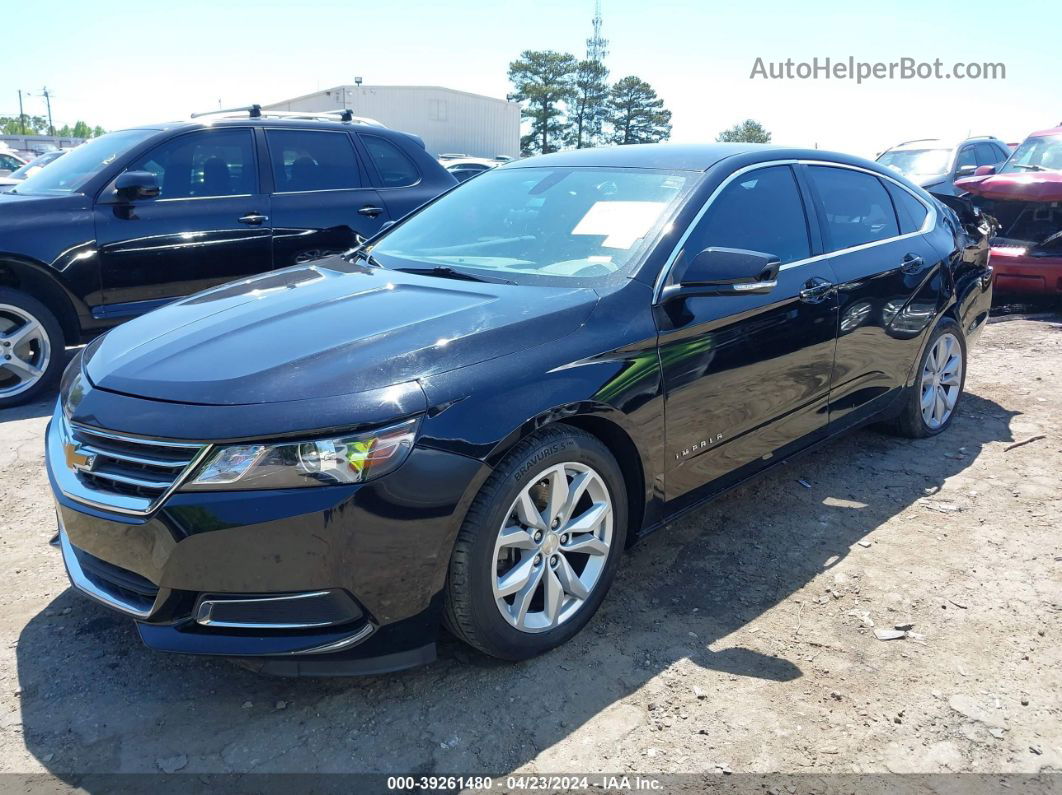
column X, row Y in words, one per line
column 1049, row 131
column 940, row 143
column 681, row 157
column 273, row 121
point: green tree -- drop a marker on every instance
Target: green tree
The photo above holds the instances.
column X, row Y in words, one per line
column 749, row 131
column 588, row 109
column 34, row 125
column 97, row 131
column 636, row 113
column 82, row 130
column 544, row 82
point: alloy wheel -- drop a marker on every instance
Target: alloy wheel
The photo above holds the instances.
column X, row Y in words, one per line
column 941, row 380
column 552, row 547
column 25, row 350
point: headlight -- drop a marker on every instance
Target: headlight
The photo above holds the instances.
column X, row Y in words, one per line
column 318, row 462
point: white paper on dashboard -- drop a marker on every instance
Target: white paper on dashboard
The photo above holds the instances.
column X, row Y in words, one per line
column 622, row 223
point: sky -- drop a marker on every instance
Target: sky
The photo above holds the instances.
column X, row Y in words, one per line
column 120, row 65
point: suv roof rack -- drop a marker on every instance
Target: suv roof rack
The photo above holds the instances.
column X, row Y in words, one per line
column 256, row 112
column 916, row 141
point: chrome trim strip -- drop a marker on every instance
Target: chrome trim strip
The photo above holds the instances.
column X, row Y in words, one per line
column 162, row 463
column 126, row 437
column 339, row 645
column 206, row 608
column 158, row 485
column 927, row 225
column 81, row 582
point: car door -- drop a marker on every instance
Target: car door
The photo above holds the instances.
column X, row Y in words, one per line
column 747, row 377
column 400, row 181
column 322, row 202
column 208, row 225
column 887, row 284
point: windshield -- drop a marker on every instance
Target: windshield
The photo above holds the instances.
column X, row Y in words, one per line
column 918, row 162
column 1043, row 153
column 71, row 171
column 539, row 225
column 34, row 165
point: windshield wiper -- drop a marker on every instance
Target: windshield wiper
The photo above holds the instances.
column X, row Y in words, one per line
column 1030, row 167
column 446, row 272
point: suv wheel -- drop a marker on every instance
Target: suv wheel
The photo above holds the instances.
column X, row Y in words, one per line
column 941, row 377
column 31, row 347
column 539, row 547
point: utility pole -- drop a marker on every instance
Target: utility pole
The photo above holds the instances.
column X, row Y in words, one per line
column 21, row 115
column 48, row 102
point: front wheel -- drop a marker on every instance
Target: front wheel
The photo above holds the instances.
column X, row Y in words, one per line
column 539, row 547
column 931, row 403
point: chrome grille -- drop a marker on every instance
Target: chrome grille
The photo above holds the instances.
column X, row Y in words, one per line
column 125, row 473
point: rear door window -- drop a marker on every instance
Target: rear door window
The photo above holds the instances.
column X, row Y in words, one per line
column 856, row 207
column 395, row 168
column 312, row 160
column 988, row 155
column 758, row 211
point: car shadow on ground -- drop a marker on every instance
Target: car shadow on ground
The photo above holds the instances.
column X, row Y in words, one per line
column 94, row 700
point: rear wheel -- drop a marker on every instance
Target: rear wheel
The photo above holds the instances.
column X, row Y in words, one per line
column 31, row 348
column 539, row 547
column 931, row 403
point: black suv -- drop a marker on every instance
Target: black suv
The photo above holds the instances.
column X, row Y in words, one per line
column 131, row 220
column 466, row 419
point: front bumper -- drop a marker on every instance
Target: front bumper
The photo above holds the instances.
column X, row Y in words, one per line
column 356, row 571
column 1019, row 273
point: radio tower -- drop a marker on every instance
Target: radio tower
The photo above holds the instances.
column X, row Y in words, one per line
column 597, row 47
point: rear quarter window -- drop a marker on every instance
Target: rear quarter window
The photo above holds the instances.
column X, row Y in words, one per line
column 394, row 166
column 910, row 211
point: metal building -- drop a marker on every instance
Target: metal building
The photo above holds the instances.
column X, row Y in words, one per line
column 447, row 120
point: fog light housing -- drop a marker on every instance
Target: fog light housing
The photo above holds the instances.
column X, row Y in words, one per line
column 304, row 610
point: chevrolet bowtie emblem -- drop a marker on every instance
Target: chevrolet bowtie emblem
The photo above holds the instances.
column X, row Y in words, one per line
column 76, row 459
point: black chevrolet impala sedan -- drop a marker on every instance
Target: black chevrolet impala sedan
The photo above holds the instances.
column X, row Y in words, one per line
column 464, row 421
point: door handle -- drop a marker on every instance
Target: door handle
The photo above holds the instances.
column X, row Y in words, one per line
column 912, row 263
column 253, row 219
column 815, row 290
column 370, row 211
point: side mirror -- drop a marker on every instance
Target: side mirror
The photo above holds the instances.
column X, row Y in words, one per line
column 136, row 185
column 966, row 171
column 725, row 271
column 984, row 171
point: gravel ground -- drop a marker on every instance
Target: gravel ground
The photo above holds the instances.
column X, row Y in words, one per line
column 741, row 638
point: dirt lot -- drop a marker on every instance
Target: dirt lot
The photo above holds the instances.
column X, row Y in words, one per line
column 739, row 639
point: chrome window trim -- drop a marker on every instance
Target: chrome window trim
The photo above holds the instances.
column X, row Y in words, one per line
column 928, row 224
column 205, row 198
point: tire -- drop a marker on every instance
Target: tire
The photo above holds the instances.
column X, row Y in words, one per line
column 42, row 349
column 476, row 584
column 912, row 421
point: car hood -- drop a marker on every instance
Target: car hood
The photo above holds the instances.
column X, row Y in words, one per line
column 327, row 329
column 1034, row 186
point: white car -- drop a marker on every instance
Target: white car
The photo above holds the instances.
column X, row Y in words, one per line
column 28, row 169
column 9, row 162
column 465, row 167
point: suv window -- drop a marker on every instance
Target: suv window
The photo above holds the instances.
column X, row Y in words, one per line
column 967, row 157
column 759, row 211
column 988, row 155
column 396, row 170
column 207, row 163
column 856, row 205
column 911, row 211
column 305, row 160
column 10, row 163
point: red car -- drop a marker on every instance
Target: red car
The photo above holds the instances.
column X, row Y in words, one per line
column 1025, row 196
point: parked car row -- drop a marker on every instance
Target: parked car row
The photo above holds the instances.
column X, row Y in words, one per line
column 29, row 169
column 1019, row 186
